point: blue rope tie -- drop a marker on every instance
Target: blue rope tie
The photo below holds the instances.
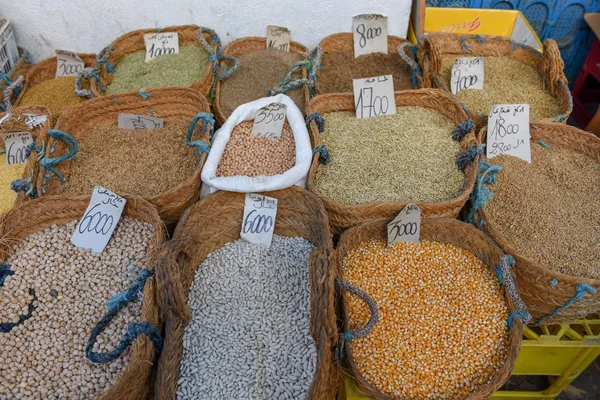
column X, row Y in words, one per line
column 289, row 83
column 5, row 271
column 581, row 290
column 524, row 315
column 463, row 44
column 133, row 330
column 144, row 95
column 467, row 157
column 70, row 142
column 6, row 327
column 203, row 148
column 480, row 39
column 481, row 194
column 462, row 129
column 324, row 157
column 319, row 120
column 554, row 282
column 24, row 185
column 543, row 144
column 216, row 56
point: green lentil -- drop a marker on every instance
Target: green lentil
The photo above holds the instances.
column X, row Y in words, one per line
column 506, row 81
column 407, row 156
column 183, row 69
column 549, row 209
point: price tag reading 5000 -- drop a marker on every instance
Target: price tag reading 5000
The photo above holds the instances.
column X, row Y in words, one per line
column 508, row 131
column 269, row 121
column 374, row 96
column 406, row 227
column 259, row 219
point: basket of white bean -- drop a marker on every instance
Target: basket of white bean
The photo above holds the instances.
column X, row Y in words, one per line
column 247, row 321
column 73, row 323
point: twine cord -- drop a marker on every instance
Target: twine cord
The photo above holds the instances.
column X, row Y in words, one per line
column 486, row 174
column 215, row 52
column 581, row 290
column 50, row 163
column 506, row 279
column 203, row 148
column 14, row 88
column 319, row 120
column 467, row 157
column 462, row 129
column 324, row 156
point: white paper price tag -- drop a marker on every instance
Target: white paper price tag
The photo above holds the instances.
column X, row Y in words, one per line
column 370, row 34
column 467, row 73
column 134, row 121
column 68, row 63
column 15, row 145
column 406, row 227
column 278, row 38
column 269, row 121
column 259, row 219
column 100, row 219
column 374, row 96
column 161, row 43
column 508, row 131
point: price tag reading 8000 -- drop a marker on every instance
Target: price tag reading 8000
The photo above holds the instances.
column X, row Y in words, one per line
column 508, row 131
column 370, row 34
column 406, row 227
column 16, row 147
column 258, row 223
column 374, row 96
column 269, row 121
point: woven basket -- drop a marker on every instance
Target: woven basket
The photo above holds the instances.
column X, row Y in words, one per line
column 342, row 216
column 134, row 41
column 171, row 104
column 20, row 69
column 40, row 136
column 39, row 214
column 549, row 64
column 217, row 220
column 247, row 45
column 441, row 230
column 344, row 42
column 535, row 279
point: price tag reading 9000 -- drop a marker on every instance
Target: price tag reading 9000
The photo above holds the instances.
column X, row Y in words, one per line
column 508, row 131
column 374, row 96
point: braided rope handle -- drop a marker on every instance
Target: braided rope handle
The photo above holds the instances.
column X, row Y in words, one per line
column 49, row 163
column 318, row 119
column 288, row 83
column 15, row 86
column 209, row 123
column 402, row 52
column 134, row 329
column 350, row 335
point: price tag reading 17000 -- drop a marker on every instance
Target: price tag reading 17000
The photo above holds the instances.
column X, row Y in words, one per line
column 406, row 227
column 269, row 121
column 100, row 219
column 467, row 73
column 161, row 43
column 16, row 147
column 258, row 223
column 370, row 34
column 374, row 96
column 508, row 131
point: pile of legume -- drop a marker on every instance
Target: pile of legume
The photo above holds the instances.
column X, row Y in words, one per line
column 140, row 162
column 183, row 69
column 339, row 68
column 57, row 94
column 442, row 330
column 254, row 156
column 44, row 357
column 407, row 156
column 255, row 303
column 506, row 81
column 259, row 72
column 549, row 209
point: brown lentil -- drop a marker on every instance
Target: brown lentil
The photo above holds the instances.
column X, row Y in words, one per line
column 139, row 162
column 506, row 81
column 442, row 331
column 45, row 356
column 549, row 209
column 57, row 94
column 407, row 156
column 339, row 68
column 259, row 72
column 255, row 156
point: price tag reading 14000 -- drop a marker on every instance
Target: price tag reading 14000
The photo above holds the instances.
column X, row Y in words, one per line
column 269, row 121
column 259, row 219
column 374, row 96
column 508, row 131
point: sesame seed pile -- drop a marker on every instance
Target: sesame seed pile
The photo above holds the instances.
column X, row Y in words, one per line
column 442, row 330
column 409, row 156
column 549, row 210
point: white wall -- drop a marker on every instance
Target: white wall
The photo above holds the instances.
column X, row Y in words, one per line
column 88, row 26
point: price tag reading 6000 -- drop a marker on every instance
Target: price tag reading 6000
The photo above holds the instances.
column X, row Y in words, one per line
column 259, row 219
column 508, row 131
column 16, row 147
column 374, row 96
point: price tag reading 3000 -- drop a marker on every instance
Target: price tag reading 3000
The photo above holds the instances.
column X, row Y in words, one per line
column 508, row 131
column 374, row 96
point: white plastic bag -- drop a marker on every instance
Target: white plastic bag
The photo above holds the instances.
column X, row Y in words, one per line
column 246, row 112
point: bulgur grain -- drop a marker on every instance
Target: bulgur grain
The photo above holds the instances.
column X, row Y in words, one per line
column 57, row 94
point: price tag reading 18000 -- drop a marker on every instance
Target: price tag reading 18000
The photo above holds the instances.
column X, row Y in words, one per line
column 269, row 121
column 508, row 131
column 100, row 219
column 16, row 147
column 370, row 34
column 406, row 227
column 161, row 43
column 374, row 96
column 467, row 73
column 258, row 223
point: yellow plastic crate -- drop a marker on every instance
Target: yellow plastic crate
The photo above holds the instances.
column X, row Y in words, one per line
column 559, row 351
